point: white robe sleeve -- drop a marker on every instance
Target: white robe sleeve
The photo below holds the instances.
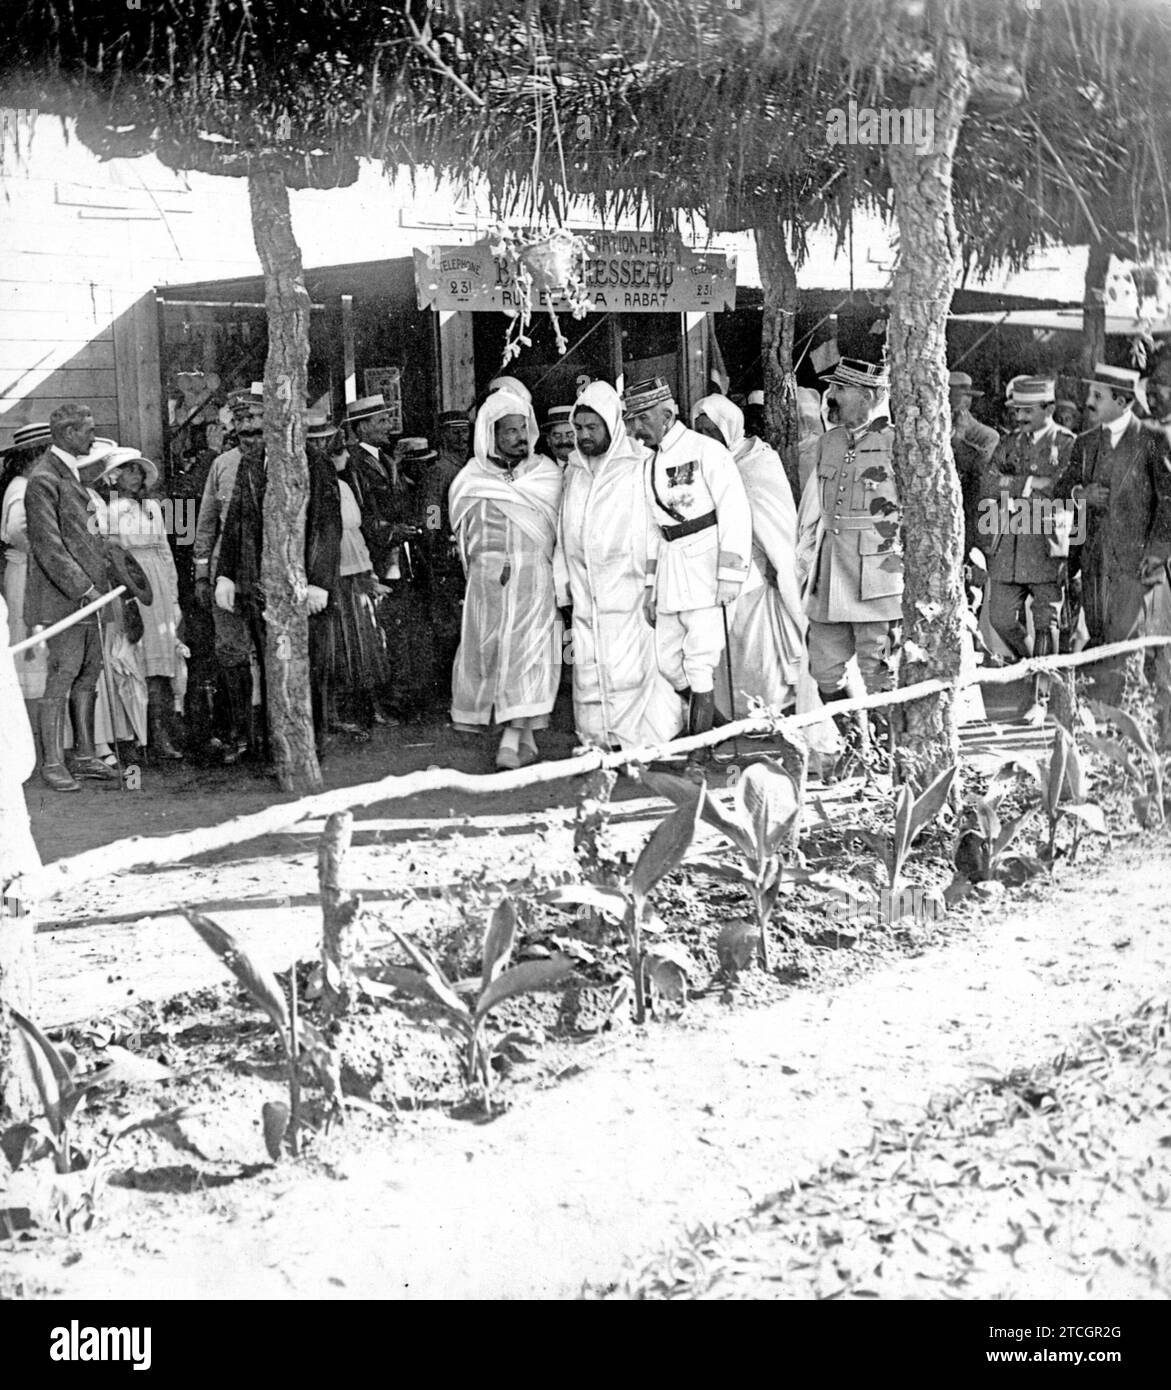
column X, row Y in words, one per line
column 733, row 514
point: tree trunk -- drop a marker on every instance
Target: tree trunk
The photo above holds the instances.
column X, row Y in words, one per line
column 286, row 375
column 18, row 856
column 339, row 912
column 929, row 487
column 1094, row 308
column 779, row 280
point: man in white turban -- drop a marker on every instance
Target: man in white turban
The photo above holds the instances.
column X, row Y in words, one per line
column 503, row 506
column 620, row 697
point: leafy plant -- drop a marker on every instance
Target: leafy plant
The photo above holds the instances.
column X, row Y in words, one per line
column 982, row 850
column 468, row 1003
column 1063, row 795
column 532, row 263
column 912, row 815
column 299, row 1039
column 630, row 903
column 70, row 1197
column 764, row 810
column 1149, row 805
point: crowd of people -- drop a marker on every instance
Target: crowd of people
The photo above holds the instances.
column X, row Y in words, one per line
column 667, row 562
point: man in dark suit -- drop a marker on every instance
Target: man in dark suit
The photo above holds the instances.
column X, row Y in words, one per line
column 67, row 569
column 1011, row 528
column 1123, row 472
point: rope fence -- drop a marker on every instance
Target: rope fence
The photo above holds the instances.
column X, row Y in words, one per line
column 141, row 852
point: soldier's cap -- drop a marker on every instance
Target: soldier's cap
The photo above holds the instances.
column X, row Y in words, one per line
column 1116, row 378
column 961, row 381
column 558, row 415
column 755, row 398
column 644, row 394
column 852, row 371
column 29, row 437
column 1032, row 390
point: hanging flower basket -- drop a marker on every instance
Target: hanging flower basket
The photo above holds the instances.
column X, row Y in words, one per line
column 531, row 265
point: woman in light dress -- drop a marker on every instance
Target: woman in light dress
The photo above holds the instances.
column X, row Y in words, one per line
column 29, row 443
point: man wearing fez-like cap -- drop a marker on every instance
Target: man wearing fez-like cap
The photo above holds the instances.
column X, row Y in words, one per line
column 972, row 447
column 852, row 569
column 559, row 436
column 698, row 548
column 1124, row 473
column 1022, row 548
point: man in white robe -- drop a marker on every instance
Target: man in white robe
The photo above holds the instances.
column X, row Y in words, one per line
column 503, row 506
column 620, row 697
column 767, row 632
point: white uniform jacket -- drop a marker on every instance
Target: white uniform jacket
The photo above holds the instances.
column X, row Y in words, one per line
column 701, row 531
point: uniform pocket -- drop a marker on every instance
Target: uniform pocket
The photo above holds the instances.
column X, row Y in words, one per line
column 881, row 570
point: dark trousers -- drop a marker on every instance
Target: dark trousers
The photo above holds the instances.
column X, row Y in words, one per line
column 1006, row 612
column 74, row 660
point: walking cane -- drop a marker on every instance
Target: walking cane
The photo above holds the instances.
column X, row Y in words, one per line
column 731, row 682
column 110, row 702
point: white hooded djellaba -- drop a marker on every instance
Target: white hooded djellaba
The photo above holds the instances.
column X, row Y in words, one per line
column 619, row 695
column 505, row 521
column 767, row 627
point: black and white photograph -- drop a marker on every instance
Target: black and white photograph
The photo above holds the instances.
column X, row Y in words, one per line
column 585, row 663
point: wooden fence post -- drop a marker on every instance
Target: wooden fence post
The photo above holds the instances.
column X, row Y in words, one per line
column 339, row 911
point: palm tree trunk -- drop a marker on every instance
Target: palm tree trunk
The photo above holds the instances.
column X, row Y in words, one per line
column 286, row 375
column 779, row 280
column 929, row 487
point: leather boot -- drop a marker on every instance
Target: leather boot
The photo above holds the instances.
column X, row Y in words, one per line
column 238, row 684
column 700, row 718
column 86, row 762
column 34, row 723
column 158, row 695
column 1038, row 707
column 54, row 773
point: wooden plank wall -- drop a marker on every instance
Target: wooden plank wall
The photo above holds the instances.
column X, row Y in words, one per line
column 82, row 244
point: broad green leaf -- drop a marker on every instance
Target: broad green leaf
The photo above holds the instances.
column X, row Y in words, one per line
column 499, row 939
column 1075, row 780
column 609, row 901
column 1089, row 813
column 435, row 981
column 665, row 849
column 257, row 979
column 972, row 856
column 58, row 1069
column 1019, row 762
column 766, row 799
column 1058, row 762
column 1115, row 751
column 667, row 976
column 987, row 819
column 932, row 800
column 1149, row 811
column 1016, row 869
column 901, row 841
column 274, row 1115
column 680, row 791
column 525, row 978
column 1008, row 834
column 1125, row 724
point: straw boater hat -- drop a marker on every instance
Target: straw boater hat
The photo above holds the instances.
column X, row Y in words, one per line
column 558, row 415
column 1116, row 378
column 415, row 450
column 29, row 437
column 644, row 394
column 961, row 381
column 365, row 408
column 453, row 417
column 852, row 371
column 318, row 425
column 1033, row 390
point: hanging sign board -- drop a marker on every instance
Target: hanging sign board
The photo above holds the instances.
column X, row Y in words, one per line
column 387, row 383
column 625, row 273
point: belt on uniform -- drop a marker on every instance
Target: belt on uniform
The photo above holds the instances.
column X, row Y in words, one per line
column 688, row 528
